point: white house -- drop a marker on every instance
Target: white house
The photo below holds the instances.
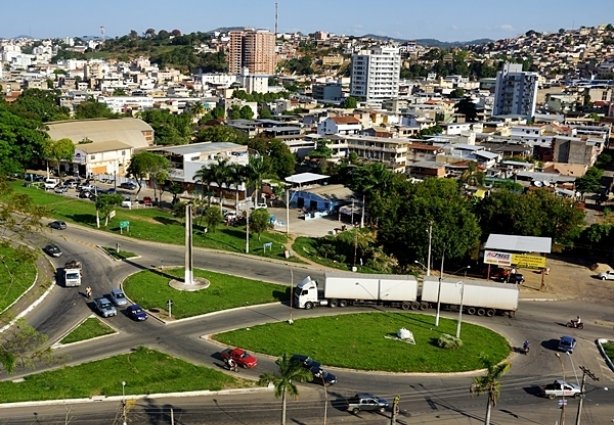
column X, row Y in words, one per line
column 339, row 125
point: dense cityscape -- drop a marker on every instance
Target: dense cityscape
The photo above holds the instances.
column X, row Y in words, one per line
column 247, row 224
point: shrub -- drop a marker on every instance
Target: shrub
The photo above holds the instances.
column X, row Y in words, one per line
column 449, row 342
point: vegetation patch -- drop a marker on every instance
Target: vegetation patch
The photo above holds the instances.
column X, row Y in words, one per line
column 18, row 273
column 145, row 372
column 151, row 290
column 121, row 254
column 608, row 347
column 90, row 328
column 154, row 224
column 358, row 341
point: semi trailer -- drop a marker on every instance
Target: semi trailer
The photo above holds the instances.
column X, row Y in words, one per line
column 339, row 289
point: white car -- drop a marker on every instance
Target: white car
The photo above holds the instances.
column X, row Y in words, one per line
column 127, row 203
column 609, row 275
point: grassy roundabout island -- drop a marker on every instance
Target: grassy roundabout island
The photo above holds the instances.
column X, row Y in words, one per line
column 366, row 341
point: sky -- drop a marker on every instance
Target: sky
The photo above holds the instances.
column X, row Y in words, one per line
column 445, row 20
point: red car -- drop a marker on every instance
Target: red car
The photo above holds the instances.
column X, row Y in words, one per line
column 240, row 356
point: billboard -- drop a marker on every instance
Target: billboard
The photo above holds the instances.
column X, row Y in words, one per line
column 529, row 261
column 497, row 258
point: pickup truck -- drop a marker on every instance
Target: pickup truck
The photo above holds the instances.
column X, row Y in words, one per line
column 561, row 389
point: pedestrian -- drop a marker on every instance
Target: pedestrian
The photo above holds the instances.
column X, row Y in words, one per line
column 88, row 292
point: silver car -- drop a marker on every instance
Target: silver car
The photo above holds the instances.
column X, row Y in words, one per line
column 118, row 297
column 104, row 306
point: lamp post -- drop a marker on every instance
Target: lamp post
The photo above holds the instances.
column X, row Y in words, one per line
column 428, row 258
column 563, row 401
column 460, row 309
column 124, row 403
column 439, row 292
column 573, row 367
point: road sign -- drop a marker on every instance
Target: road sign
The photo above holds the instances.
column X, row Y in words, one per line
column 124, row 224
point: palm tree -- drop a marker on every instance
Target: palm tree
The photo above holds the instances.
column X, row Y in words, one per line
column 257, row 170
column 489, row 384
column 204, row 176
column 220, row 175
column 289, row 372
column 236, row 177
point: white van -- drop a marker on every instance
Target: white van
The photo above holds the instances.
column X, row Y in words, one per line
column 51, row 183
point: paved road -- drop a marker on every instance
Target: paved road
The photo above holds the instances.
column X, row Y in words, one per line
column 424, row 396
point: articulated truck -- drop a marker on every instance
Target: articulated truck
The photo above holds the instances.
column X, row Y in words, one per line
column 404, row 291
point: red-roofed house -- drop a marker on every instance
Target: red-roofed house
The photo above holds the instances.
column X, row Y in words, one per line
column 339, row 125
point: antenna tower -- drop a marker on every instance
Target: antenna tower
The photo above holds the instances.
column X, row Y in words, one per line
column 102, row 31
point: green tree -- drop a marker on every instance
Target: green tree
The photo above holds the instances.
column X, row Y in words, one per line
column 40, row 105
column 19, row 215
column 489, row 383
column 236, row 178
column 220, row 175
column 92, row 109
column 22, row 345
column 591, row 181
column 257, row 170
column 105, row 204
column 284, row 382
column 145, row 164
column 204, row 176
column 466, row 107
column 58, row 151
column 260, row 221
column 246, row 113
column 221, row 133
column 21, row 141
column 212, row 218
column 349, row 103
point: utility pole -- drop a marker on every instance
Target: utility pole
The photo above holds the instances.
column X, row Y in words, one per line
column 428, row 258
column 585, row 371
column 395, row 410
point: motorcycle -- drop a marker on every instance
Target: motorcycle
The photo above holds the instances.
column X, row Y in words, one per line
column 231, row 367
column 575, row 324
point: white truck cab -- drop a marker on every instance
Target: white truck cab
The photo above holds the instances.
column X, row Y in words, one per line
column 306, row 294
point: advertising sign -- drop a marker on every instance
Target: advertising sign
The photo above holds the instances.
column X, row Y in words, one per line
column 529, row 261
column 498, row 258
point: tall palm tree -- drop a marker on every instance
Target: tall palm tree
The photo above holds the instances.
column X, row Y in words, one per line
column 489, row 383
column 220, row 175
column 236, row 177
column 204, row 177
column 258, row 169
column 289, row 373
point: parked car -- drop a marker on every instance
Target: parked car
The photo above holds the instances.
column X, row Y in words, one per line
column 135, row 312
column 51, row 183
column 118, row 297
column 104, row 307
column 70, row 183
column 60, row 189
column 609, row 275
column 320, row 376
column 58, row 225
column 368, row 402
column 85, row 194
column 516, row 278
column 86, row 187
column 240, row 356
column 147, row 201
column 127, row 203
column 128, row 185
column 567, row 344
column 53, row 250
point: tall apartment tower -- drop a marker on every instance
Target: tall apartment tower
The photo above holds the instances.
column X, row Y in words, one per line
column 515, row 91
column 251, row 49
column 375, row 74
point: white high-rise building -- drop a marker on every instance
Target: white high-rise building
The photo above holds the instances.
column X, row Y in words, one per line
column 515, row 91
column 375, row 74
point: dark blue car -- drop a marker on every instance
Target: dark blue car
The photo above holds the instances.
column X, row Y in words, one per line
column 135, row 312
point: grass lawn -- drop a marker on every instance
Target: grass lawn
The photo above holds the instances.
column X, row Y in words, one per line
column 18, row 274
column 122, row 254
column 150, row 289
column 90, row 328
column 144, row 371
column 154, row 224
column 608, row 347
column 358, row 341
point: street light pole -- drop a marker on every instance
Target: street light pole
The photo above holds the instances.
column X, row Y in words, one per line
column 125, row 419
column 460, row 310
column 439, row 292
column 428, row 259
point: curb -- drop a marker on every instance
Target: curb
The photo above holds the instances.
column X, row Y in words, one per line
column 133, row 397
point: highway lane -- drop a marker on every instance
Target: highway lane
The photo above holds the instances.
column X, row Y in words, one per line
column 537, row 321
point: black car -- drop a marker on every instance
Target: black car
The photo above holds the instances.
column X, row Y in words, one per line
column 320, row 376
column 516, row 278
column 128, row 185
column 53, row 250
column 58, row 225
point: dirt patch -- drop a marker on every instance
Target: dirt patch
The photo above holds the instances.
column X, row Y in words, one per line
column 566, row 281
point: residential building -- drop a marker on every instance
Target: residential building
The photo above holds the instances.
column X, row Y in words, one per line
column 332, row 92
column 339, row 125
column 107, row 159
column 252, row 49
column 375, row 74
column 515, row 92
